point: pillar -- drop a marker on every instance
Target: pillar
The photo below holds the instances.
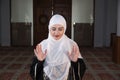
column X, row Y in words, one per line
column 116, row 44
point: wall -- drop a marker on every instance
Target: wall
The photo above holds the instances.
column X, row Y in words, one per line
column 105, row 19
column 5, row 22
column 82, row 10
column 22, row 11
column 99, row 23
column 0, row 22
column 105, row 22
column 111, row 21
column 118, row 20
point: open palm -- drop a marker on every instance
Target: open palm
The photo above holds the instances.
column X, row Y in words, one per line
column 74, row 54
column 39, row 53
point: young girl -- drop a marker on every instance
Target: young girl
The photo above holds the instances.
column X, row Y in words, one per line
column 57, row 57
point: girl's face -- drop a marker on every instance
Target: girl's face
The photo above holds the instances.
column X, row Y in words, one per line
column 57, row 31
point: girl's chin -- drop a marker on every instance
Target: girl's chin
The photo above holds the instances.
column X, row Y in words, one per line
column 56, row 38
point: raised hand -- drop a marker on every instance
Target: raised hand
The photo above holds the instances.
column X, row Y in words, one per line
column 39, row 53
column 74, row 54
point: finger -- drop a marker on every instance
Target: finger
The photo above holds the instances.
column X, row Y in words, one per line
column 37, row 48
column 69, row 55
column 44, row 54
column 40, row 49
column 75, row 49
column 46, row 51
column 35, row 52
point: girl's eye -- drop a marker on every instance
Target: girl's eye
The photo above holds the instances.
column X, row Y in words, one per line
column 60, row 29
column 53, row 29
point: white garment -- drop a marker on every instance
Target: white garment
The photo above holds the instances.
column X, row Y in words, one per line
column 57, row 62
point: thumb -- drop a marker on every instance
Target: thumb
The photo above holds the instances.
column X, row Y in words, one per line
column 35, row 52
column 46, row 52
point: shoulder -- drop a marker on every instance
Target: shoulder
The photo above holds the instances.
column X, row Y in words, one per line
column 73, row 42
column 43, row 42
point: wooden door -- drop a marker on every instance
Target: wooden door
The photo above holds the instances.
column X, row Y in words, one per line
column 83, row 34
column 41, row 16
column 42, row 12
column 18, row 29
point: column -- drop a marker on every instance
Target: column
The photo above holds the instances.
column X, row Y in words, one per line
column 116, row 44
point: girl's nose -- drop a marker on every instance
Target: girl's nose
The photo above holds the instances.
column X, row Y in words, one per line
column 56, row 32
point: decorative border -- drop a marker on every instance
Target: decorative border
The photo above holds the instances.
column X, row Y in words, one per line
column 43, row 19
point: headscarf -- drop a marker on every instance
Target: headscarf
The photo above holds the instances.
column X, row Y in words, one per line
column 57, row 62
column 57, row 19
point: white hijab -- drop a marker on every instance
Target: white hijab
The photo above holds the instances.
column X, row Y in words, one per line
column 57, row 62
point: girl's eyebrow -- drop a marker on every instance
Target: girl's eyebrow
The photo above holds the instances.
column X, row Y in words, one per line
column 60, row 27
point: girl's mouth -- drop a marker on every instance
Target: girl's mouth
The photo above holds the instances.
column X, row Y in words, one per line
column 56, row 35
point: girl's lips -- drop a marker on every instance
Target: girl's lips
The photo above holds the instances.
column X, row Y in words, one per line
column 56, row 35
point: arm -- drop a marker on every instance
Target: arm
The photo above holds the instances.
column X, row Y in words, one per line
column 38, row 66
column 36, row 69
column 75, row 69
column 79, row 68
column 82, row 67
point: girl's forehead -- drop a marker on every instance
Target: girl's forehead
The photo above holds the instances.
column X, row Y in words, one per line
column 57, row 25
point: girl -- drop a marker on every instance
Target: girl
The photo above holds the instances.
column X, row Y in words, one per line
column 57, row 57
